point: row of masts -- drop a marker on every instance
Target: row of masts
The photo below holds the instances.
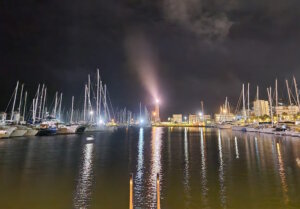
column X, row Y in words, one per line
column 39, row 111
column 293, row 99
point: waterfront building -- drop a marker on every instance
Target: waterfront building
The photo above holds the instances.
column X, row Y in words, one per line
column 193, row 119
column 177, row 118
column 228, row 117
column 286, row 110
column 261, row 107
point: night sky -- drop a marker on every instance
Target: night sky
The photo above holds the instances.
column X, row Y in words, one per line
column 182, row 51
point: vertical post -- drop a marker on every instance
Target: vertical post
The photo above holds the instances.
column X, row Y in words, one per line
column 33, row 111
column 100, row 98
column 157, row 192
column 131, row 192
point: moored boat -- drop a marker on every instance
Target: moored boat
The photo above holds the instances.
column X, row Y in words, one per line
column 6, row 131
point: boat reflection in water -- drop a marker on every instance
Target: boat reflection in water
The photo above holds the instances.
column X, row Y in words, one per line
column 85, row 179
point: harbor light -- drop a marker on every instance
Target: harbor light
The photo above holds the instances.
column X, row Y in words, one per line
column 91, row 112
column 101, row 121
column 141, row 121
column 157, row 101
column 200, row 113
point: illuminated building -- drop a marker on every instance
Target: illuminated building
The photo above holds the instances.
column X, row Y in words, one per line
column 289, row 110
column 193, row 119
column 177, row 118
column 261, row 107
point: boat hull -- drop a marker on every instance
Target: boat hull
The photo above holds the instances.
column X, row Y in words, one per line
column 18, row 132
column 31, row 132
column 6, row 132
column 47, row 132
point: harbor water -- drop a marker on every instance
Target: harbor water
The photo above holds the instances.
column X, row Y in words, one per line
column 198, row 168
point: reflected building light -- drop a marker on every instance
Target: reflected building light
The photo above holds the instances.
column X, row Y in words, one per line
column 83, row 193
column 186, row 166
column 138, row 184
column 282, row 175
column 257, row 152
column 155, row 162
column 237, row 155
column 203, row 167
column 221, row 172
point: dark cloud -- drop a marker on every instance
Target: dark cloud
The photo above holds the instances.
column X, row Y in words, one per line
column 202, row 49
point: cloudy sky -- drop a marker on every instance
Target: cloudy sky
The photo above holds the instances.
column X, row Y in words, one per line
column 182, row 51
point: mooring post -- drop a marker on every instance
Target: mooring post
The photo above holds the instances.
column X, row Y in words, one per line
column 131, row 192
column 157, row 192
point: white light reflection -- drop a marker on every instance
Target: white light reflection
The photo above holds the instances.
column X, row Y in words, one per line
column 138, row 184
column 221, row 172
column 84, row 186
column 237, row 155
column 203, row 168
column 186, row 168
column 155, row 161
column 257, row 152
column 282, row 175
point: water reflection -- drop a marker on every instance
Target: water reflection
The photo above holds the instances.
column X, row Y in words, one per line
column 138, row 184
column 282, row 175
column 237, row 155
column 155, row 161
column 203, row 169
column 186, row 161
column 221, row 172
column 84, row 186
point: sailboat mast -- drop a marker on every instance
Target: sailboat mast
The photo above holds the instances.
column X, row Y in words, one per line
column 248, row 98
column 276, row 94
column 297, row 94
column 59, row 110
column 14, row 103
column 97, row 99
column 269, row 90
column 44, row 102
column 21, row 97
column 289, row 92
column 244, row 108
column 72, row 108
column 55, row 105
column 100, row 98
column 24, row 109
column 105, row 105
column 41, row 101
column 33, row 111
column 84, row 107
column 257, row 93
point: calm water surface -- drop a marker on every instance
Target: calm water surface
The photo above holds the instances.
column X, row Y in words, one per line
column 199, row 168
